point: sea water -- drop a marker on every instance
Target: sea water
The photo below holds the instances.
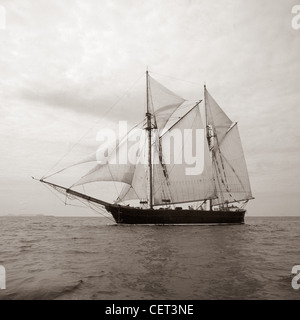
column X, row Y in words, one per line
column 92, row 258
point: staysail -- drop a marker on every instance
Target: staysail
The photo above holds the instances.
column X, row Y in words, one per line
column 120, row 162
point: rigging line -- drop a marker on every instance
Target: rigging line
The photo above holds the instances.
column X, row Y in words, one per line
column 89, row 206
column 219, row 179
column 234, row 171
column 121, row 200
column 180, row 108
column 64, row 202
column 100, row 212
column 228, row 131
column 222, row 163
column 98, row 206
column 75, row 205
column 171, row 77
column 83, row 188
column 114, row 182
column 91, row 127
column 49, row 188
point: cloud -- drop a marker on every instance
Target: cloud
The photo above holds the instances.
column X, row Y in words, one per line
column 66, row 65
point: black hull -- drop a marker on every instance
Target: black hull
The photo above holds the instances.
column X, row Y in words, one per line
column 130, row 215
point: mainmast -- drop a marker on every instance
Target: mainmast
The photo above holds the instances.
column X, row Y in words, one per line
column 210, row 130
column 149, row 129
column 217, row 158
column 208, row 135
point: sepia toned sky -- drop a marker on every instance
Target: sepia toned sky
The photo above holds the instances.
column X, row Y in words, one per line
column 69, row 68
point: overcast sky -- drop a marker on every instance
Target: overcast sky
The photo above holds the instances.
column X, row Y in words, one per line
column 65, row 64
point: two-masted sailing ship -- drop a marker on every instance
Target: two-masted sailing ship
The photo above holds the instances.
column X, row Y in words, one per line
column 188, row 168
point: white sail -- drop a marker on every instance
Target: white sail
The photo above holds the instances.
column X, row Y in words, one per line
column 186, row 172
column 163, row 102
column 117, row 161
column 230, row 170
column 137, row 189
column 216, row 117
